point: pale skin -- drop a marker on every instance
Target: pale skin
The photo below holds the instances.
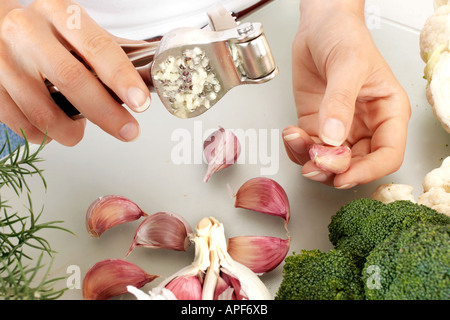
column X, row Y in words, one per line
column 345, row 93
column 34, row 46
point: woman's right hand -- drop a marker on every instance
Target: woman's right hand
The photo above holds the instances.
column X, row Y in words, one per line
column 35, row 44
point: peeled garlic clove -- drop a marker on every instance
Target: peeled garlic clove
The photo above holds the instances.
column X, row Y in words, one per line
column 186, row 288
column 109, row 211
column 110, row 278
column 259, row 253
column 221, row 150
column 263, row 195
column 162, row 230
column 329, row 158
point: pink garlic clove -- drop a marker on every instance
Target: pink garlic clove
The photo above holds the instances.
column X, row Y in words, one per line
column 110, row 278
column 221, row 150
column 332, row 159
column 264, row 195
column 186, row 288
column 260, row 254
column 109, row 211
column 162, row 230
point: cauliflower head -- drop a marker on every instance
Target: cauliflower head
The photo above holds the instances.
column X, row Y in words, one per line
column 436, row 187
column 436, row 190
column 435, row 52
column 391, row 192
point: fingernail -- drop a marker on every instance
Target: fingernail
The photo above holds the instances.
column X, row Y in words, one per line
column 347, row 186
column 129, row 132
column 139, row 100
column 316, row 176
column 333, row 132
column 292, row 136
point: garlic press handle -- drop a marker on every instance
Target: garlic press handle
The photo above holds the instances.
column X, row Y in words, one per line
column 248, row 45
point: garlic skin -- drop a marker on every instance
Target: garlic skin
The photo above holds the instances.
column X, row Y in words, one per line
column 221, row 149
column 155, row 294
column 162, row 230
column 260, row 254
column 264, row 195
column 330, row 158
column 109, row 211
column 110, row 277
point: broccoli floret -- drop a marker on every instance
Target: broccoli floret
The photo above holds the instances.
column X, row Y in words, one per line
column 362, row 224
column 390, row 251
column 412, row 264
column 317, row 275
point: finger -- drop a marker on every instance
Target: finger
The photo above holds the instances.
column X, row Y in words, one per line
column 312, row 172
column 378, row 157
column 100, row 50
column 368, row 169
column 297, row 142
column 338, row 105
column 70, row 76
column 42, row 112
column 87, row 94
column 309, row 123
column 14, row 118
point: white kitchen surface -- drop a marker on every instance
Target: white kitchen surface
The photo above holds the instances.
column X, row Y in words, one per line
column 145, row 171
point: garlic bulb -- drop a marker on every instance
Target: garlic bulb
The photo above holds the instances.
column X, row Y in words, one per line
column 213, row 273
column 109, row 211
column 221, row 150
column 329, row 158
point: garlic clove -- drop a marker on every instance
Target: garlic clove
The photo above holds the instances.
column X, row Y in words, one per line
column 108, row 211
column 110, row 278
column 186, row 288
column 259, row 253
column 221, row 149
column 162, row 230
column 246, row 283
column 263, row 195
column 330, row 158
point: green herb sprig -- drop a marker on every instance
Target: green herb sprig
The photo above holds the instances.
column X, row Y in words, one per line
column 24, row 274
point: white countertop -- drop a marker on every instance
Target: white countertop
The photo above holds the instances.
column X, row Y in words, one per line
column 145, row 171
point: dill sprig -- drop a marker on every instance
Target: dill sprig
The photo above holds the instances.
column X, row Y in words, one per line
column 24, row 273
column 18, row 164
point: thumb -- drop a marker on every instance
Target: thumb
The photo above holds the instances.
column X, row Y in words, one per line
column 338, row 104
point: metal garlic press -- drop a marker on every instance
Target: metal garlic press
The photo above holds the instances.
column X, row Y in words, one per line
column 191, row 69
